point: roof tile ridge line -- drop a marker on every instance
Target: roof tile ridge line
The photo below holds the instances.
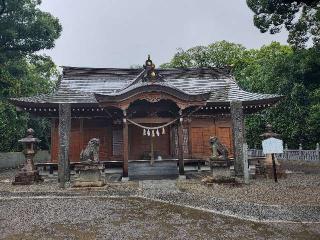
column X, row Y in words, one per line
column 165, row 84
column 233, row 82
column 73, row 91
column 39, row 96
column 134, row 81
column 169, row 84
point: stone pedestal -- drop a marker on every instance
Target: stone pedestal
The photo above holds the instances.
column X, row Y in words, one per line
column 269, row 168
column 91, row 175
column 27, row 177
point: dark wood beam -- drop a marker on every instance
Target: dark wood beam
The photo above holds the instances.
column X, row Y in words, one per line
column 125, row 147
column 152, row 120
column 180, row 147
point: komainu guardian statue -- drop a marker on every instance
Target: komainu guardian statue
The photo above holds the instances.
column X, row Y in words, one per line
column 91, row 153
column 219, row 153
column 90, row 170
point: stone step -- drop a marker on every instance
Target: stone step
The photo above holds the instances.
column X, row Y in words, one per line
column 144, row 170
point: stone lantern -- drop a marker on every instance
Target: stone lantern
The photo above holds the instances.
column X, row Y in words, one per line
column 28, row 174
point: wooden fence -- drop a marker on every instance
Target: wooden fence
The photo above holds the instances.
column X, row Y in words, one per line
column 289, row 154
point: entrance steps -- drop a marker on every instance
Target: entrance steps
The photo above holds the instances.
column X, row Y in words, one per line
column 159, row 170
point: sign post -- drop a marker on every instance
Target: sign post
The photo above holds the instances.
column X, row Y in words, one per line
column 274, row 168
column 272, row 145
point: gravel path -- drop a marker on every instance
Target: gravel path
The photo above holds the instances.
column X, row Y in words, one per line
column 131, row 218
column 295, row 189
column 295, row 198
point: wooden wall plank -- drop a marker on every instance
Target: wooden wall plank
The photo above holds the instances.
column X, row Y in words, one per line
column 80, row 138
column 202, row 130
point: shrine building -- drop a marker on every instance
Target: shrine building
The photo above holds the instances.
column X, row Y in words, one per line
column 146, row 113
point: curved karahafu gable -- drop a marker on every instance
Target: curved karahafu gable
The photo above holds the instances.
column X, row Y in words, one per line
column 152, row 93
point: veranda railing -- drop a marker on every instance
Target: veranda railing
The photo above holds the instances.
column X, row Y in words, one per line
column 291, row 154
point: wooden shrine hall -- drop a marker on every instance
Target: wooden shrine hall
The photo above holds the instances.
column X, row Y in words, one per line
column 146, row 114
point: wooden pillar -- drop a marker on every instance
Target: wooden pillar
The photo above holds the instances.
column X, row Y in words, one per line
column 64, row 140
column 238, row 135
column 125, row 147
column 152, row 151
column 180, row 147
column 53, row 140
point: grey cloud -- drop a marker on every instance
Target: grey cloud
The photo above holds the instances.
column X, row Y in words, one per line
column 120, row 33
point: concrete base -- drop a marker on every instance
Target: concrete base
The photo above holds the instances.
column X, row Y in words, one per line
column 182, row 177
column 124, row 179
column 269, row 171
column 27, row 178
column 89, row 184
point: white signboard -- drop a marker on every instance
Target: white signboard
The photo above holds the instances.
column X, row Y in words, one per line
column 272, row 145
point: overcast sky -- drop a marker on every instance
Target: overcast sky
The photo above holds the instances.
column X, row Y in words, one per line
column 120, row 33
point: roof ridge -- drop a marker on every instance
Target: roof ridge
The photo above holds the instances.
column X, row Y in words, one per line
column 134, row 81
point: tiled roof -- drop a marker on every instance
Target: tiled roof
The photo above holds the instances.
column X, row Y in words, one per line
column 79, row 85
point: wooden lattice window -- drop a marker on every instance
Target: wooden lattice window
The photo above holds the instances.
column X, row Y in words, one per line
column 185, row 141
column 117, row 142
column 175, row 141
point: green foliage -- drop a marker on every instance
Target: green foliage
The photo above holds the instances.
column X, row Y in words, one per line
column 218, row 54
column 294, row 74
column 24, row 30
column 271, row 69
column 300, row 17
column 24, row 77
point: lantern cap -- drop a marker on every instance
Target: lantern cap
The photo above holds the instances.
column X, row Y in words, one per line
column 29, row 138
column 269, row 133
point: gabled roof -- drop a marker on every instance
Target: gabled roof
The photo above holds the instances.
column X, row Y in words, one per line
column 78, row 85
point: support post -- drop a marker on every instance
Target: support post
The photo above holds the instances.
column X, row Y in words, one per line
column 300, row 151
column 64, row 140
column 318, row 151
column 285, row 152
column 152, row 151
column 125, row 147
column 238, row 135
column 180, row 144
column 274, row 167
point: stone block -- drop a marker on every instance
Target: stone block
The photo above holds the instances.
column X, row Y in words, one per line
column 90, row 175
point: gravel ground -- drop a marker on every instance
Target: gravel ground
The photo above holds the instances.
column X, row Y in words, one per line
column 295, row 189
column 50, row 185
column 295, row 198
column 301, row 166
column 131, row 218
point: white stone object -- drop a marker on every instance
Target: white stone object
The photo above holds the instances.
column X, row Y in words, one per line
column 245, row 164
column 272, row 145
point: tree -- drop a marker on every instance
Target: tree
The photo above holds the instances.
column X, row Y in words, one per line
column 24, row 30
column 274, row 68
column 300, row 17
column 217, row 54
